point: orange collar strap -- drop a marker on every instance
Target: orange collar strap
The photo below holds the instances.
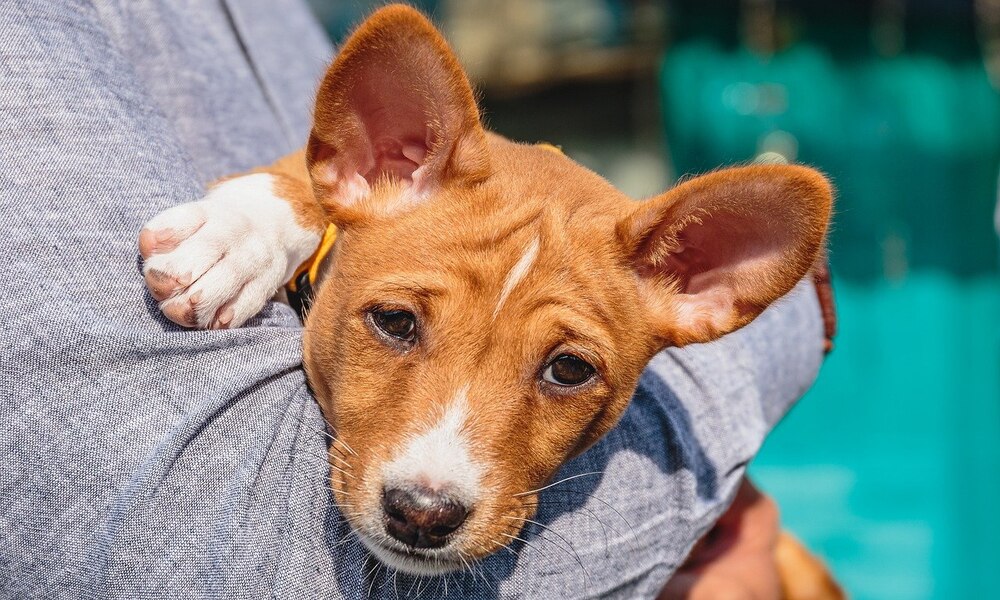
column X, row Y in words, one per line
column 300, row 288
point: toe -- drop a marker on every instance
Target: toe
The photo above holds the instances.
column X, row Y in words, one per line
column 147, row 243
column 183, row 311
column 162, row 285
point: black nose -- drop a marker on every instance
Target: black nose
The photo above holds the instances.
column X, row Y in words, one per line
column 421, row 518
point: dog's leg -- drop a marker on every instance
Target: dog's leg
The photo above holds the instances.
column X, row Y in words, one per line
column 747, row 555
column 215, row 262
column 803, row 576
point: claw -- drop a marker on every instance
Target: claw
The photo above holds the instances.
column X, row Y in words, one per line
column 225, row 317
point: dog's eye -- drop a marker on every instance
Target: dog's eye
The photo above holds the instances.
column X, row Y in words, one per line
column 399, row 324
column 568, row 370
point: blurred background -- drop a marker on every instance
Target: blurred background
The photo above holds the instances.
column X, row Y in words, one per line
column 890, row 467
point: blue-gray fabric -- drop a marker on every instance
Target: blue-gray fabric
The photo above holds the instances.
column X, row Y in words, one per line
column 141, row 460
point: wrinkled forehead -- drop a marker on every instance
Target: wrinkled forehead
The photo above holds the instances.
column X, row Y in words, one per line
column 506, row 233
column 509, row 252
column 535, row 196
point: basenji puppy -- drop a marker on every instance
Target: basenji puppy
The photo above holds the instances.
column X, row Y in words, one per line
column 488, row 306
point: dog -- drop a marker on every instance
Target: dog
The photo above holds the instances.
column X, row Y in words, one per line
column 483, row 309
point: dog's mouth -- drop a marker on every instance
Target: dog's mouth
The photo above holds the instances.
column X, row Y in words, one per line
column 413, row 561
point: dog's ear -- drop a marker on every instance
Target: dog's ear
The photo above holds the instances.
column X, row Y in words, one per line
column 396, row 106
column 715, row 251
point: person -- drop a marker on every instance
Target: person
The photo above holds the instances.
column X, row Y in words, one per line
column 144, row 460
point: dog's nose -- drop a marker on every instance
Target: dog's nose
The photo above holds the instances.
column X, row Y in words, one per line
column 422, row 518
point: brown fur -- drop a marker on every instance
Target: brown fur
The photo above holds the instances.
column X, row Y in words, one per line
column 614, row 282
column 803, row 576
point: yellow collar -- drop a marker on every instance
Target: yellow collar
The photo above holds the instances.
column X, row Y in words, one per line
column 300, row 289
column 312, row 264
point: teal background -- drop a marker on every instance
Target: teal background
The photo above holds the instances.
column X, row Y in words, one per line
column 890, row 467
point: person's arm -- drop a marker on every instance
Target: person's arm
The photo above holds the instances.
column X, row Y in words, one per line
column 145, row 460
column 140, row 459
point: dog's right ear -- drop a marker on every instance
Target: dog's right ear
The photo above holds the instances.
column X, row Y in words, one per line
column 395, row 105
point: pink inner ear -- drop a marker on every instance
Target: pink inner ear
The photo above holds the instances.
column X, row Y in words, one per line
column 395, row 115
column 716, row 250
column 721, row 249
column 721, row 262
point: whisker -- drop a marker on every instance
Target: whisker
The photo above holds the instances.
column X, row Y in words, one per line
column 522, row 540
column 311, row 427
column 327, row 434
column 347, row 538
column 473, row 571
column 336, row 481
column 325, row 461
column 482, row 573
column 555, row 533
column 564, row 480
column 342, row 472
column 466, row 565
column 345, row 445
column 343, row 460
column 337, row 469
column 590, row 513
column 371, row 574
column 505, row 547
column 413, row 582
column 605, row 503
column 340, row 451
column 302, row 451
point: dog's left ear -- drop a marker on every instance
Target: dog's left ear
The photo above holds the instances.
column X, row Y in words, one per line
column 714, row 252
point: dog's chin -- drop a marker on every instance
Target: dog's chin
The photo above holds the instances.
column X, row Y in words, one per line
column 414, row 562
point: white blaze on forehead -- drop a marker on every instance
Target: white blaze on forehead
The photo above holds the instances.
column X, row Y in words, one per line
column 517, row 273
column 439, row 457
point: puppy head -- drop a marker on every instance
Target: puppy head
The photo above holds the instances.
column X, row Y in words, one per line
column 490, row 305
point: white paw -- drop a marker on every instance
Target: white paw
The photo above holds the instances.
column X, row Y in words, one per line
column 215, row 263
